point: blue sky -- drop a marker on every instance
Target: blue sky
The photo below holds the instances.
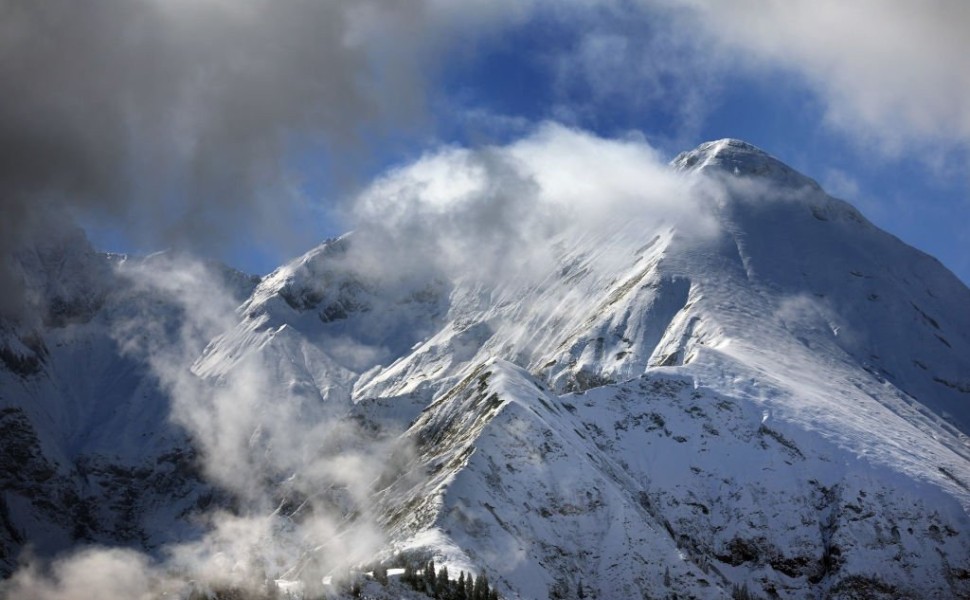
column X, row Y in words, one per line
column 871, row 98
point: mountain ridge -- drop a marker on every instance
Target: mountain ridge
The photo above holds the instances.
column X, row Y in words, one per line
column 776, row 397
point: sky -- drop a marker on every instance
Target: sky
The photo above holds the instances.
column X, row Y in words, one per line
column 243, row 130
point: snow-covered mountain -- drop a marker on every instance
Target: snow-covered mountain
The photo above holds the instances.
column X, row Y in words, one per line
column 776, row 394
column 87, row 450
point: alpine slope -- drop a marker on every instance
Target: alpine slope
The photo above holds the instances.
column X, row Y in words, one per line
column 771, row 393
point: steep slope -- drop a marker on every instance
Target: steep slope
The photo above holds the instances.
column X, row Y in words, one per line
column 813, row 365
column 341, row 320
column 659, row 487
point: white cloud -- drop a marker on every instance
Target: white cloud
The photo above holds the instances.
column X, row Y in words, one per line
column 889, row 73
column 492, row 211
column 893, row 72
column 260, row 441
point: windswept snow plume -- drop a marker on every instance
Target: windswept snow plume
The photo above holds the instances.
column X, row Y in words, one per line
column 301, row 476
column 492, row 213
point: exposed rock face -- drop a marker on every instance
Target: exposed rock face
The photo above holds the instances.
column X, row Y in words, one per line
column 88, row 454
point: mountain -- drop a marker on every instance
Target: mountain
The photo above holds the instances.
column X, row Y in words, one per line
column 773, row 393
column 87, row 451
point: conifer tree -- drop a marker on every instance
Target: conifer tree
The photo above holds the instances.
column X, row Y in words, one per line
column 428, row 576
column 476, row 588
column 272, row 589
column 443, row 584
column 479, row 590
column 740, row 592
column 409, row 577
column 380, row 574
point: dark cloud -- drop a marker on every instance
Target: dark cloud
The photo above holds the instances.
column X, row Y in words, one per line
column 175, row 118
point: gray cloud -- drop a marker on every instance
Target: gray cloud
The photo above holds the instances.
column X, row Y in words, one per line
column 176, row 119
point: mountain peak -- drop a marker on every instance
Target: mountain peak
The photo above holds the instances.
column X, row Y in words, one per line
column 739, row 158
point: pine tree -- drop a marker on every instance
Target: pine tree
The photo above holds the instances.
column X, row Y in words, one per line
column 579, row 589
column 460, row 589
column 380, row 574
column 493, row 594
column 476, row 593
column 197, row 594
column 429, row 580
column 272, row 589
column 443, row 584
column 479, row 590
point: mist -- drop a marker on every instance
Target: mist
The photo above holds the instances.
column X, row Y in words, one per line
column 296, row 478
